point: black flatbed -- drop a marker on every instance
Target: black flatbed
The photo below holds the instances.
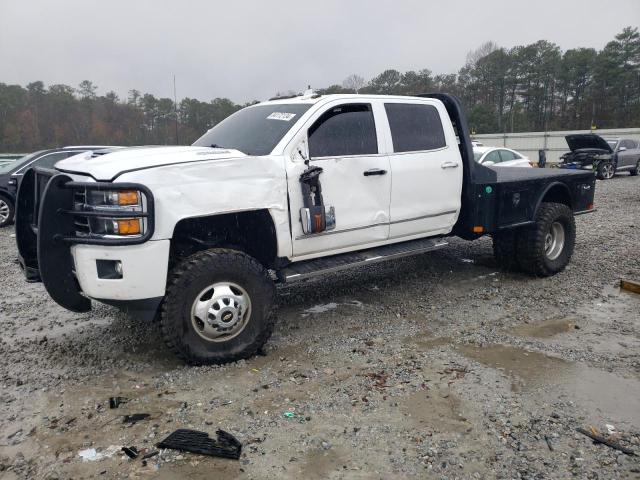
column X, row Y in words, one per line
column 500, row 198
column 521, row 174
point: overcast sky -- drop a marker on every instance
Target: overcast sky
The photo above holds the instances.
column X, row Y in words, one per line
column 250, row 49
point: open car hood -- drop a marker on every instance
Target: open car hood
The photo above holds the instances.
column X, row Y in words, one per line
column 587, row 141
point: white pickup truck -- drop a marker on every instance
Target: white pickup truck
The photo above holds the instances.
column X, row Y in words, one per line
column 197, row 237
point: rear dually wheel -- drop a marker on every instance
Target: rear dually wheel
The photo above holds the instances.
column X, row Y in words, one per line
column 546, row 247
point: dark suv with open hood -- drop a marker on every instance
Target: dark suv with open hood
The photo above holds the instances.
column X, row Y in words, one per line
column 605, row 156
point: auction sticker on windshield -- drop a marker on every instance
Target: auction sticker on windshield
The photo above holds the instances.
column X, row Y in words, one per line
column 281, row 116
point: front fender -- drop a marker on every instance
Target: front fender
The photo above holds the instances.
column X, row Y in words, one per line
column 204, row 189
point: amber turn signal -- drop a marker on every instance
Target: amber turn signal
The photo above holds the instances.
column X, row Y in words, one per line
column 128, row 197
column 478, row 229
column 130, row 226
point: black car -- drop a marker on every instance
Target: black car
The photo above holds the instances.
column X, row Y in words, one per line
column 11, row 174
column 605, row 156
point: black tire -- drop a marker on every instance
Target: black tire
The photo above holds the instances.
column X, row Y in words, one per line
column 533, row 256
column 505, row 250
column 636, row 170
column 7, row 211
column 186, row 283
column 605, row 171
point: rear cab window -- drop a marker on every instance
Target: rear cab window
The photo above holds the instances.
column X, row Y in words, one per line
column 415, row 127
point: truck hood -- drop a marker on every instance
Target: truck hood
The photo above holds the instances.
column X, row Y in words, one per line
column 108, row 166
column 587, row 141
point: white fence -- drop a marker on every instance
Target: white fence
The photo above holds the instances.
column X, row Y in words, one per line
column 553, row 143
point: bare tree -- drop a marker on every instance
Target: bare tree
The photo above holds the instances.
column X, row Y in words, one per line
column 87, row 89
column 482, row 51
column 354, row 82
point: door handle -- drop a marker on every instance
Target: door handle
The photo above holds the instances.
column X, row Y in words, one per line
column 374, row 171
column 449, row 165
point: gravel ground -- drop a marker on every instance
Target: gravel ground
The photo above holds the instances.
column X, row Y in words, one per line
column 431, row 367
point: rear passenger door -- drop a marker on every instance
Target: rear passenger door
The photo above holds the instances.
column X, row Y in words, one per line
column 628, row 157
column 426, row 169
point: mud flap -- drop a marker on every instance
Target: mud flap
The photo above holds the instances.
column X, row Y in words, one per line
column 55, row 261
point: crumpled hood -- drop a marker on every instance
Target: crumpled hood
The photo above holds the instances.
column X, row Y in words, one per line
column 108, row 166
column 587, row 141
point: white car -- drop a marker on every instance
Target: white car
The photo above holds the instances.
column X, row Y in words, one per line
column 500, row 157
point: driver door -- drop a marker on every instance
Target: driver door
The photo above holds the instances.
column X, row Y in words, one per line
column 343, row 139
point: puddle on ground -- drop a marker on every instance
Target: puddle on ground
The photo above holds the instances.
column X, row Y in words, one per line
column 321, row 463
column 435, row 410
column 600, row 393
column 430, row 343
column 529, row 369
column 547, row 329
column 426, row 341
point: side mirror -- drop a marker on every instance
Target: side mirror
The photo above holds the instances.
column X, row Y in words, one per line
column 488, row 162
column 622, row 149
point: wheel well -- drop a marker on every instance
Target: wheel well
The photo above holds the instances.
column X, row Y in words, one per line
column 252, row 232
column 7, row 196
column 556, row 193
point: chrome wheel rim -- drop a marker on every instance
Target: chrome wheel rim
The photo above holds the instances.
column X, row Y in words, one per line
column 607, row 171
column 554, row 241
column 221, row 311
column 4, row 211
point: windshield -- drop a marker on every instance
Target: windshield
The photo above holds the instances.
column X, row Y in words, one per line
column 612, row 144
column 254, row 130
column 477, row 156
column 18, row 163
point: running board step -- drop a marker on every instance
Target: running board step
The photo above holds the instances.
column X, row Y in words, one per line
column 334, row 263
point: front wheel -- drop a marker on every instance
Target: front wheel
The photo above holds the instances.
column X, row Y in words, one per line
column 545, row 248
column 7, row 210
column 217, row 308
column 605, row 171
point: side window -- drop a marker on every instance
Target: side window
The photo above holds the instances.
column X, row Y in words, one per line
column 48, row 161
column 493, row 156
column 506, row 155
column 344, row 130
column 415, row 127
column 629, row 144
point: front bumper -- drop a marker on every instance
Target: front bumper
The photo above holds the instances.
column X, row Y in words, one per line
column 144, row 270
column 51, row 249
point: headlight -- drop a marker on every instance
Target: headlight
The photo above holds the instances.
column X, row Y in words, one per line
column 106, row 198
column 111, row 213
